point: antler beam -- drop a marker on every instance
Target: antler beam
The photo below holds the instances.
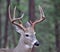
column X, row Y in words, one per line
column 42, row 17
column 15, row 19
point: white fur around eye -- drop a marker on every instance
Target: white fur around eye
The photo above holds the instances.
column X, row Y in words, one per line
column 27, row 33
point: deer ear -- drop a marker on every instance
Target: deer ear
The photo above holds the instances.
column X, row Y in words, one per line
column 19, row 30
column 27, row 24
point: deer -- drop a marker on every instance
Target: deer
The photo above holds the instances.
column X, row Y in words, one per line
column 27, row 39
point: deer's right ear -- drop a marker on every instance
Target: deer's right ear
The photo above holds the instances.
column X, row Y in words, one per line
column 19, row 30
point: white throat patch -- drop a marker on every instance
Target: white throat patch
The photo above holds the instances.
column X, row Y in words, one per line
column 27, row 46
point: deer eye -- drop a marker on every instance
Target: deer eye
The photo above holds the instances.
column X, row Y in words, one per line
column 27, row 35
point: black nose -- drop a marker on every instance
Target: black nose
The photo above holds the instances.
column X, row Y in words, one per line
column 36, row 44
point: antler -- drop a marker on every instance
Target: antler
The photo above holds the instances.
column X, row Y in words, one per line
column 42, row 17
column 15, row 19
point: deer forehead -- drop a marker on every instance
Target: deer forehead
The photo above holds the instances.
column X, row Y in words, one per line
column 30, row 33
column 30, row 30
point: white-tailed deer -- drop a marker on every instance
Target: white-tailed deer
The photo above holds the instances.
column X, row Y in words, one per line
column 27, row 39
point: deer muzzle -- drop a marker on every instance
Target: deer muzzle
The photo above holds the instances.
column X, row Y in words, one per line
column 36, row 43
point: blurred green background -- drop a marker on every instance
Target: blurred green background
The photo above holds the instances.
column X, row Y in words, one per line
column 48, row 31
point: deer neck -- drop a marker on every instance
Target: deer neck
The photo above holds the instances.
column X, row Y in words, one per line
column 21, row 47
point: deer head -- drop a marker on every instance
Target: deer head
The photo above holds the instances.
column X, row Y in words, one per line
column 27, row 32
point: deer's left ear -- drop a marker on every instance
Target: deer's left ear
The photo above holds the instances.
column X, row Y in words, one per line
column 19, row 30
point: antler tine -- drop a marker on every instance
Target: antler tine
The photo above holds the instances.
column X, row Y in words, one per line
column 22, row 15
column 42, row 17
column 41, row 12
column 14, row 12
column 14, row 19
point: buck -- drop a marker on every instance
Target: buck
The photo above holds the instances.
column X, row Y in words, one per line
column 27, row 39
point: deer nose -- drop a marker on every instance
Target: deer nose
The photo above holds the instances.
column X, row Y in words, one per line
column 36, row 44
